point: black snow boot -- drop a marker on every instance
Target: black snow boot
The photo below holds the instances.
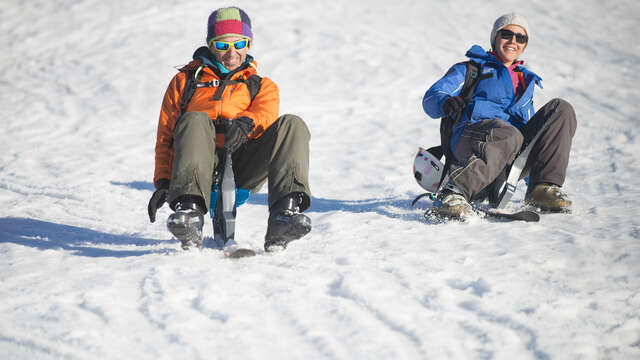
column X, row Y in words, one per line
column 186, row 224
column 286, row 223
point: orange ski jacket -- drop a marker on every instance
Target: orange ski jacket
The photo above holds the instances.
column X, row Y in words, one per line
column 234, row 102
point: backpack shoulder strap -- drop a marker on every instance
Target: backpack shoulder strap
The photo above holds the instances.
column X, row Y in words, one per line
column 254, row 82
column 190, row 86
column 471, row 79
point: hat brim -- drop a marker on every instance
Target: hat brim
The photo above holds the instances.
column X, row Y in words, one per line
column 230, row 35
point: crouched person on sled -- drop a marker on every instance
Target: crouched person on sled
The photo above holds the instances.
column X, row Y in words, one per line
column 194, row 131
column 490, row 124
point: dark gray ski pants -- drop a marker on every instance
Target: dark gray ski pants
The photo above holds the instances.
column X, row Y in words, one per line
column 280, row 154
column 486, row 147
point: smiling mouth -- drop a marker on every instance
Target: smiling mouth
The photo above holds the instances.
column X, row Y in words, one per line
column 230, row 60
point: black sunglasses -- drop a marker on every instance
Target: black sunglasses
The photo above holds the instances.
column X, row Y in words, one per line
column 508, row 35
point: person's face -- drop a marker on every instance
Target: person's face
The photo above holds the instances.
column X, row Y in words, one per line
column 507, row 47
column 232, row 57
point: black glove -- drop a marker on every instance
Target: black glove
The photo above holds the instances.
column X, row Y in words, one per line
column 158, row 198
column 453, row 106
column 238, row 133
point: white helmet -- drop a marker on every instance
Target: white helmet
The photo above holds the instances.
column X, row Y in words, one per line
column 427, row 169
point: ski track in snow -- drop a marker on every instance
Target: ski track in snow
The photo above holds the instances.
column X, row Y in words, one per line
column 83, row 274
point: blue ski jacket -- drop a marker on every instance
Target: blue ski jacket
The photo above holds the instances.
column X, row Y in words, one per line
column 494, row 97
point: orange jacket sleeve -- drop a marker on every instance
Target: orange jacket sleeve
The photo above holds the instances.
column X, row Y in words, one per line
column 169, row 113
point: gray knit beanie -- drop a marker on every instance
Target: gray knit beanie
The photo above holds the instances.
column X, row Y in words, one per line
column 509, row 19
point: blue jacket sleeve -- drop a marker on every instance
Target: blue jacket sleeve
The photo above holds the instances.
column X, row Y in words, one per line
column 449, row 85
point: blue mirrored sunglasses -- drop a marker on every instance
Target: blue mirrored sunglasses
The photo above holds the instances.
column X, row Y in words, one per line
column 225, row 45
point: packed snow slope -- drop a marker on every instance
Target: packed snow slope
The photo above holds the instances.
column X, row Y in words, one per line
column 83, row 274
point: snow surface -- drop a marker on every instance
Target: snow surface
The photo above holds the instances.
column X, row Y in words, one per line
column 83, row 274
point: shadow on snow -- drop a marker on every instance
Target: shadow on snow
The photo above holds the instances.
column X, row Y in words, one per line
column 45, row 235
column 390, row 207
column 136, row 185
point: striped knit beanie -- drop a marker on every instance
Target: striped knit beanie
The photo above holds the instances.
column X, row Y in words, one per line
column 228, row 21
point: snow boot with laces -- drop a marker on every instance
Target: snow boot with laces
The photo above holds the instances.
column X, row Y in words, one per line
column 450, row 204
column 548, row 197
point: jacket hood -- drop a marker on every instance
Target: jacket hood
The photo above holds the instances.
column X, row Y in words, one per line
column 204, row 54
column 479, row 55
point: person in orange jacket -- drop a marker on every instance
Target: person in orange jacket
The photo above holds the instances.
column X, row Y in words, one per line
column 221, row 83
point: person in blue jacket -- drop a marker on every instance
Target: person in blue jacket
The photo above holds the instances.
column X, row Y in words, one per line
column 498, row 122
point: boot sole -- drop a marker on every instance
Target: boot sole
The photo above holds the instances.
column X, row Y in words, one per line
column 447, row 215
column 189, row 236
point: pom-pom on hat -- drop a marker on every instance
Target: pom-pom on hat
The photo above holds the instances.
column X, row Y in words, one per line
column 509, row 19
column 228, row 21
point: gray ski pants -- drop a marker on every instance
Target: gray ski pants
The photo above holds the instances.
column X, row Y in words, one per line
column 280, row 154
column 486, row 147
